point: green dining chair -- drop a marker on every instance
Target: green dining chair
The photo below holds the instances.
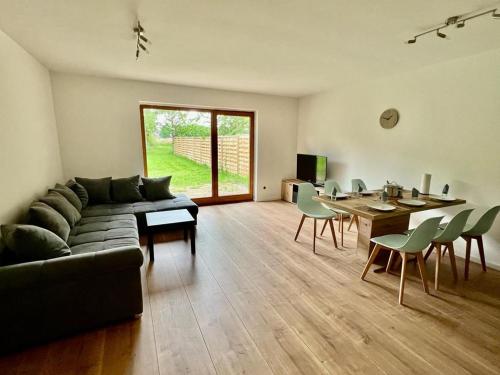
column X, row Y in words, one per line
column 445, row 236
column 356, row 183
column 329, row 186
column 475, row 232
column 406, row 245
column 313, row 209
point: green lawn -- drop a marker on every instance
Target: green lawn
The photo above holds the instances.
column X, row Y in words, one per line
column 186, row 174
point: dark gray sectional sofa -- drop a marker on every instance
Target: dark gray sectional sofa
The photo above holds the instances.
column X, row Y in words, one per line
column 99, row 283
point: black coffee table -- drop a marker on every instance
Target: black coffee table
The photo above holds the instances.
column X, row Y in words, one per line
column 169, row 220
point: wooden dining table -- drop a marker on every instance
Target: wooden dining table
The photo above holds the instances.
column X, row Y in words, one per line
column 374, row 223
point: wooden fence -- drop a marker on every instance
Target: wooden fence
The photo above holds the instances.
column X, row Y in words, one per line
column 234, row 152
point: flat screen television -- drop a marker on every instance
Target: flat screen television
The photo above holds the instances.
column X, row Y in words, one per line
column 311, row 168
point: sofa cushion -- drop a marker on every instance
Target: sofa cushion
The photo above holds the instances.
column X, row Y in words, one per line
column 104, row 232
column 61, row 205
column 79, row 191
column 114, row 228
column 126, row 190
column 46, row 217
column 30, row 243
column 98, row 189
column 102, row 235
column 69, row 194
column 91, row 247
column 157, row 188
column 104, row 226
column 181, row 201
column 108, row 209
column 105, row 218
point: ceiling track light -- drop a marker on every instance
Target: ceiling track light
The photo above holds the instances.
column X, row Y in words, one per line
column 139, row 31
column 458, row 21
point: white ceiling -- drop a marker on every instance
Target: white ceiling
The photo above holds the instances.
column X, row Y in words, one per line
column 285, row 47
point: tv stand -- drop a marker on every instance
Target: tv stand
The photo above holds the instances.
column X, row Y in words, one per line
column 290, row 189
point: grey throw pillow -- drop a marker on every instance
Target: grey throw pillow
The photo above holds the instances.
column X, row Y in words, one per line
column 29, row 243
column 61, row 205
column 157, row 188
column 98, row 189
column 46, row 217
column 126, row 190
column 70, row 195
column 79, row 191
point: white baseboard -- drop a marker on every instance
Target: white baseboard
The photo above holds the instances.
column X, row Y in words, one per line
column 477, row 260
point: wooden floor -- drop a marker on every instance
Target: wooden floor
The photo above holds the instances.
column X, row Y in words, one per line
column 254, row 301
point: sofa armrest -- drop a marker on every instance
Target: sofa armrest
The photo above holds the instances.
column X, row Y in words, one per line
column 74, row 267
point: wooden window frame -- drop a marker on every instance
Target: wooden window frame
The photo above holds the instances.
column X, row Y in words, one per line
column 215, row 198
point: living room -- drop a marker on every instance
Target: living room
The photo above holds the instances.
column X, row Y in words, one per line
column 402, row 95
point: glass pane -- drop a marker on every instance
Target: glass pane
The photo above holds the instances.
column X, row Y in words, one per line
column 178, row 144
column 233, row 136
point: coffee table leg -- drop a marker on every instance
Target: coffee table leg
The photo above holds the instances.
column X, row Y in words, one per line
column 185, row 234
column 151, row 247
column 193, row 244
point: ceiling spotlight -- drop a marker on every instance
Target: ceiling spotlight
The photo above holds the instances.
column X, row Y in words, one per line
column 440, row 34
column 139, row 31
column 495, row 14
column 411, row 41
column 460, row 24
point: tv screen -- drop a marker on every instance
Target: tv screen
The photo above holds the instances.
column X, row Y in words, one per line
column 311, row 168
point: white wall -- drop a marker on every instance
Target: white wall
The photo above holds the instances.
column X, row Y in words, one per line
column 29, row 147
column 449, row 127
column 100, row 133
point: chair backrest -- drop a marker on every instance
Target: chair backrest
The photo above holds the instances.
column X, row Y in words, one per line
column 455, row 227
column 484, row 223
column 330, row 185
column 356, row 182
column 305, row 202
column 423, row 234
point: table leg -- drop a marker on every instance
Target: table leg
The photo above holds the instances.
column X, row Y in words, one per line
column 151, row 246
column 193, row 243
column 185, row 234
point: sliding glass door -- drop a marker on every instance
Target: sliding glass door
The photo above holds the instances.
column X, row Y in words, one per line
column 208, row 153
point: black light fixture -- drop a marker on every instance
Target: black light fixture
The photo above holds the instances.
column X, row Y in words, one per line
column 440, row 34
column 459, row 21
column 141, row 39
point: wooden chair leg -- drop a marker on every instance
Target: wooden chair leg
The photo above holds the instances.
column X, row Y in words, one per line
column 429, row 251
column 333, row 233
column 453, row 261
column 300, row 227
column 438, row 265
column 354, row 219
column 390, row 261
column 341, row 227
column 467, row 257
column 351, row 220
column 403, row 277
column 314, row 237
column 324, row 226
column 481, row 252
column 444, row 250
column 423, row 273
column 373, row 255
